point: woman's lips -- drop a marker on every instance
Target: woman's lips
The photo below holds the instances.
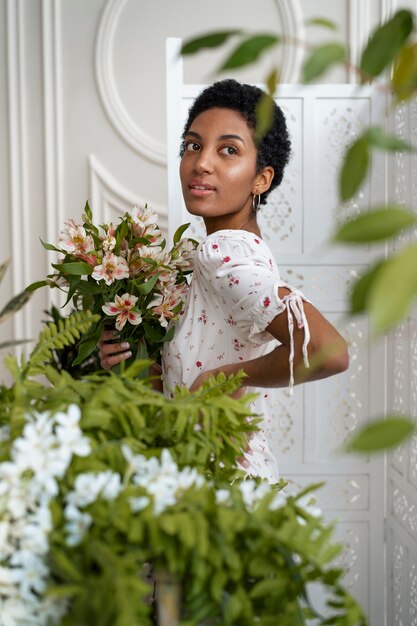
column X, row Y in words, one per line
column 200, row 190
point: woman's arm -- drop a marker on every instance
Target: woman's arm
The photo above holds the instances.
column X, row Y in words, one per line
column 327, row 352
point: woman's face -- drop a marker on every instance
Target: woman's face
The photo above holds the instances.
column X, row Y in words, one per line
column 218, row 169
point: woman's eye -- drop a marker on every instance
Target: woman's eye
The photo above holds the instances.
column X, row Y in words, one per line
column 192, row 146
column 230, row 150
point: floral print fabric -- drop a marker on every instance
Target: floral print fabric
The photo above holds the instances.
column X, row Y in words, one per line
column 233, row 297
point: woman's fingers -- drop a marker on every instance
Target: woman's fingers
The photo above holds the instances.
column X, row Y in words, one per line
column 111, row 353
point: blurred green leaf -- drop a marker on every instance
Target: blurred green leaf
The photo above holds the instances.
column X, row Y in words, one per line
column 378, row 138
column 404, row 78
column 379, row 224
column 211, row 40
column 3, row 268
column 382, row 434
column 264, row 116
column 359, row 295
column 249, row 51
column 272, row 80
column 321, row 21
column 321, row 59
column 354, row 169
column 41, row 283
column 49, row 246
column 385, row 44
column 15, row 304
column 394, row 289
column 88, row 343
column 87, row 211
column 78, row 268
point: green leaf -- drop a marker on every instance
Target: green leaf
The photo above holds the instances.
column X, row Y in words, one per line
column 74, row 283
column 272, row 80
column 14, row 342
column 151, row 333
column 249, row 51
column 49, row 246
column 88, row 211
column 321, row 21
column 379, row 139
column 211, row 40
column 15, row 304
column 87, row 345
column 264, row 116
column 385, row 44
column 146, row 288
column 404, row 77
column 377, row 225
column 40, row 283
column 170, row 334
column 382, row 434
column 354, row 169
column 394, row 289
column 78, row 268
column 359, row 296
column 179, row 232
column 3, row 268
column 321, row 59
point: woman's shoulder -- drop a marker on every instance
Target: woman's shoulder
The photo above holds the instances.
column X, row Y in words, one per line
column 238, row 242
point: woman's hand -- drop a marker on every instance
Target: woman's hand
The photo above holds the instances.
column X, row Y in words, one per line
column 110, row 352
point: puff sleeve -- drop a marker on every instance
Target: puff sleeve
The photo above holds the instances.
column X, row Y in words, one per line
column 240, row 276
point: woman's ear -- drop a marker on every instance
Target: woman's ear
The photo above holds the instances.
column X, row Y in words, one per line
column 263, row 180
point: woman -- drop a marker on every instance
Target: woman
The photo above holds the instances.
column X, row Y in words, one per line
column 239, row 314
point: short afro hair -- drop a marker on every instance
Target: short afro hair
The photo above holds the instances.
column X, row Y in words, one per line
column 275, row 146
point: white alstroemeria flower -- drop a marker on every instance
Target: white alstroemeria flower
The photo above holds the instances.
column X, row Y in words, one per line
column 75, row 239
column 156, row 253
column 278, row 501
column 185, row 254
column 77, row 525
column 34, row 539
column 125, row 308
column 164, row 305
column 253, row 493
column 112, row 268
column 30, row 573
column 53, row 609
column 108, row 243
column 144, row 219
column 89, row 486
column 139, row 503
column 222, row 496
column 69, row 433
column 15, row 613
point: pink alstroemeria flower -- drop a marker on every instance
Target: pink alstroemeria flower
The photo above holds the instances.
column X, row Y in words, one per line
column 74, row 239
column 112, row 267
column 164, row 305
column 124, row 308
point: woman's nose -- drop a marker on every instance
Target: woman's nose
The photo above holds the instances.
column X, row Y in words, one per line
column 203, row 161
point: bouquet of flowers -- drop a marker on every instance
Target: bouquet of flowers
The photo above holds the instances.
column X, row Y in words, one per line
column 126, row 275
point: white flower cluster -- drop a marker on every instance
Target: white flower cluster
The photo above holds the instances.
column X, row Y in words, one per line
column 161, row 478
column 27, row 483
column 252, row 493
column 87, row 489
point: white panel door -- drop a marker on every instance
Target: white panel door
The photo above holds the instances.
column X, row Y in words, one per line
column 311, row 427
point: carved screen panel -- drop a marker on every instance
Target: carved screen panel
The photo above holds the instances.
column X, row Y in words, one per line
column 402, row 398
column 311, row 427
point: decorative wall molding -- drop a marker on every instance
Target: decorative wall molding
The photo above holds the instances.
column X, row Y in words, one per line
column 16, row 87
column 359, row 26
column 291, row 17
column 53, row 115
column 109, row 197
column 128, row 130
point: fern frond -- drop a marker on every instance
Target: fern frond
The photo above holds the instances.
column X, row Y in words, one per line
column 53, row 337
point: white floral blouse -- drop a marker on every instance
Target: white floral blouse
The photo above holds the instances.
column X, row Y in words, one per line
column 233, row 297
